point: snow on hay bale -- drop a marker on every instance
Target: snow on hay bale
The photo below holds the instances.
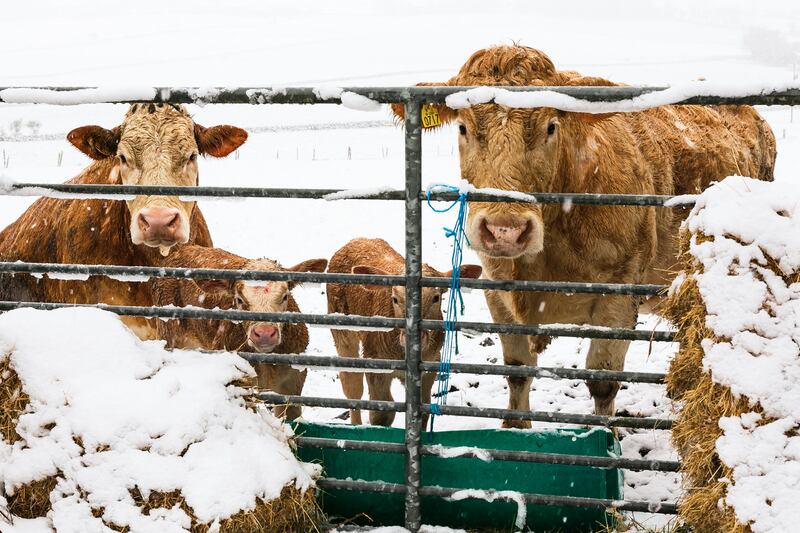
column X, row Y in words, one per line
column 102, row 432
column 737, row 374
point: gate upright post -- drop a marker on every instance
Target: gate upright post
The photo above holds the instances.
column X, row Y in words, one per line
column 413, row 430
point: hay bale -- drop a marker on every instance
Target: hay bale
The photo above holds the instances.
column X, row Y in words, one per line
column 734, row 306
column 89, row 409
column 13, row 400
column 293, row 511
column 32, row 499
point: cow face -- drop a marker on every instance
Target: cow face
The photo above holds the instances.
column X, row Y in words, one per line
column 157, row 144
column 509, row 149
column 268, row 297
column 528, row 150
column 431, row 297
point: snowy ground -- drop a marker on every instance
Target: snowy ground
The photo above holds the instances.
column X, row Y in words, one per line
column 391, row 43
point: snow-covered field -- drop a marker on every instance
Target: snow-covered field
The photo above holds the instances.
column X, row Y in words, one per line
column 388, row 43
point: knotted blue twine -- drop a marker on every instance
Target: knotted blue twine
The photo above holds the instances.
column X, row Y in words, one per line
column 456, row 300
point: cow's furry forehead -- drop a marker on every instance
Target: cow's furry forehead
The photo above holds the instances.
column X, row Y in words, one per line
column 507, row 65
column 162, row 123
column 262, row 264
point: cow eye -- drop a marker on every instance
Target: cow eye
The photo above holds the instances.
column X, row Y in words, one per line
column 462, row 129
column 395, row 301
column 238, row 302
column 122, row 159
column 193, row 157
column 551, row 128
column 285, row 297
column 435, row 298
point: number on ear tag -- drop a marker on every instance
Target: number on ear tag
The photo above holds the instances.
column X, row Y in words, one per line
column 430, row 117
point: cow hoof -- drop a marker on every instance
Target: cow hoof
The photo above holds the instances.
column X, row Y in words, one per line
column 516, row 424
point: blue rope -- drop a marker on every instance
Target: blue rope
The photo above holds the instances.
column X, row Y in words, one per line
column 456, row 300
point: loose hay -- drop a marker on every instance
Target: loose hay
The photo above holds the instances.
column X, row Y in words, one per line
column 31, row 500
column 698, row 431
column 294, row 511
column 13, row 400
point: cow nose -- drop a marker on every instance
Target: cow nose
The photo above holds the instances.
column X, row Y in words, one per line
column 505, row 234
column 160, row 224
column 264, row 336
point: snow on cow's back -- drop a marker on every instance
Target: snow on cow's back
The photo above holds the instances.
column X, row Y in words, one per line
column 109, row 413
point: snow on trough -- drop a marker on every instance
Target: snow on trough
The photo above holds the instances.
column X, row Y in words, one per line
column 109, row 413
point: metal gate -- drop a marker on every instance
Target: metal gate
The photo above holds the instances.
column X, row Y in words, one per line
column 413, row 98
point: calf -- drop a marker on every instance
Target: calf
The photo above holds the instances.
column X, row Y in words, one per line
column 260, row 296
column 375, row 256
column 156, row 144
column 676, row 149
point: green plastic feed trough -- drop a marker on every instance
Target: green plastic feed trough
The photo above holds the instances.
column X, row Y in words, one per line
column 470, row 473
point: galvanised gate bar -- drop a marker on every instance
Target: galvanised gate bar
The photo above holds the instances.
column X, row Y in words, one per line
column 413, row 98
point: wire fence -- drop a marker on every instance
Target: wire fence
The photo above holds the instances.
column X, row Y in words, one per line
column 412, row 98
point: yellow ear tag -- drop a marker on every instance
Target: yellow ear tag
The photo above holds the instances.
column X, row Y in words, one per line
column 430, row 117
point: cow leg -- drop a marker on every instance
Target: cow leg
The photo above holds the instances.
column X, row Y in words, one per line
column 605, row 354
column 347, row 343
column 609, row 354
column 516, row 351
column 380, row 389
column 428, row 379
column 282, row 379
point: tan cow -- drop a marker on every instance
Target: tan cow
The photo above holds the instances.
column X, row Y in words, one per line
column 376, row 256
column 156, row 144
column 261, row 296
column 669, row 150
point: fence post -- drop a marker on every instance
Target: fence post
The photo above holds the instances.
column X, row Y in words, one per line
column 413, row 273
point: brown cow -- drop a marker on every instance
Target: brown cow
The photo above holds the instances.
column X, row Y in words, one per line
column 376, row 256
column 261, row 296
column 155, row 145
column 669, row 150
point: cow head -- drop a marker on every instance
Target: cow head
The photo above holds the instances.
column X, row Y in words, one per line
column 157, row 144
column 431, row 297
column 529, row 150
column 261, row 297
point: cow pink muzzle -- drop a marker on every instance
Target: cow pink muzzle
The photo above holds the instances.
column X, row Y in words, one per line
column 264, row 337
column 506, row 235
column 159, row 226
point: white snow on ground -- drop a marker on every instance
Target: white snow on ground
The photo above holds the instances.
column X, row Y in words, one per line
column 146, row 418
column 349, row 43
column 754, row 222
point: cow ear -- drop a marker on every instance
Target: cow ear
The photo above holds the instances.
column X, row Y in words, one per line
column 467, row 271
column 471, row 271
column 218, row 141
column 310, row 265
column 446, row 115
column 371, row 270
column 95, row 141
